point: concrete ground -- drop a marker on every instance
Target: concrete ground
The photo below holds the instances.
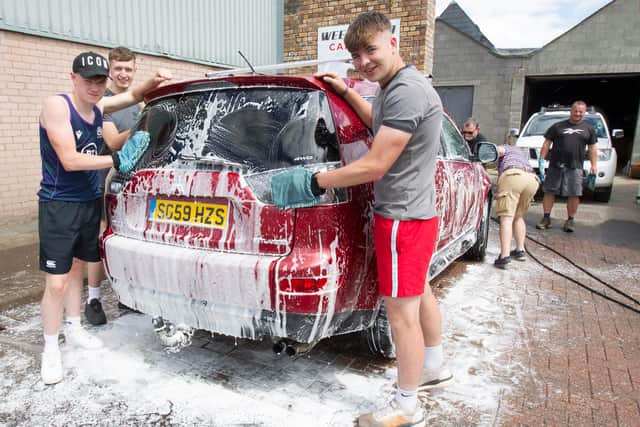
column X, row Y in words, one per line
column 587, row 367
column 528, row 346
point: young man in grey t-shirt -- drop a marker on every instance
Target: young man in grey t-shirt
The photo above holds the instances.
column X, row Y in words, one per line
column 406, row 119
column 122, row 70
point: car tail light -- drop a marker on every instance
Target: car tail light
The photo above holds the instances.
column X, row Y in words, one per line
column 260, row 184
column 303, row 284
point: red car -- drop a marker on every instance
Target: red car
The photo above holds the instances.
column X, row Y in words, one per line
column 193, row 235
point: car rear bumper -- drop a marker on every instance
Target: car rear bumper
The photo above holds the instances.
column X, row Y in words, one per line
column 219, row 292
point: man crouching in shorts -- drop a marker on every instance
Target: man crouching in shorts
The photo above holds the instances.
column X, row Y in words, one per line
column 565, row 143
column 406, row 118
column 517, row 184
column 70, row 200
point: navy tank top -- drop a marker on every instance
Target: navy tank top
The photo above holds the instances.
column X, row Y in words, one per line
column 76, row 186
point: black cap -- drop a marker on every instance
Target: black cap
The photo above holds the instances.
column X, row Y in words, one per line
column 91, row 64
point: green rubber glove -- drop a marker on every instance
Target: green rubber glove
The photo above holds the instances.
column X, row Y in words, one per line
column 292, row 188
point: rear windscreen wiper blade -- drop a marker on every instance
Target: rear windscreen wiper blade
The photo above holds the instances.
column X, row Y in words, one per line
column 215, row 161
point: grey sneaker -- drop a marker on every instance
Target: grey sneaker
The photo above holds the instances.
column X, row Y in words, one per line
column 51, row 368
column 501, row 262
column 94, row 313
column 568, row 226
column 544, row 223
column 393, row 415
column 518, row 255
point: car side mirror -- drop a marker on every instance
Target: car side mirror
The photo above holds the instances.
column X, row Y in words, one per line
column 514, row 132
column 487, row 152
column 618, row 133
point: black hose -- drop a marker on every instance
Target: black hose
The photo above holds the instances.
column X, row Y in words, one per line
column 613, row 288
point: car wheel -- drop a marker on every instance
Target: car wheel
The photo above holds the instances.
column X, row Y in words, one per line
column 603, row 194
column 377, row 339
column 478, row 251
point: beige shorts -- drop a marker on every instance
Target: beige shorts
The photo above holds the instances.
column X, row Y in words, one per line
column 516, row 189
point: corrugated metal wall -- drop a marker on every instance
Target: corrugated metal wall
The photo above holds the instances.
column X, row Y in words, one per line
column 205, row 31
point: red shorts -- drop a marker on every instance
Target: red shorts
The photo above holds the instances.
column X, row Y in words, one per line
column 403, row 253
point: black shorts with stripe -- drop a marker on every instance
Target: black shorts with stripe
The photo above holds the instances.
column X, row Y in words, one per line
column 68, row 230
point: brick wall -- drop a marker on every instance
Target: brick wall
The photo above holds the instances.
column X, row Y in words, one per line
column 33, row 68
column 303, row 17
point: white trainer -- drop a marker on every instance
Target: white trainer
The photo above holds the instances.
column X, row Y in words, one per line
column 393, row 415
column 79, row 337
column 434, row 378
column 51, row 368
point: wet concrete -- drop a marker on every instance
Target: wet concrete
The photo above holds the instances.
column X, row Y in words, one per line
column 527, row 347
column 21, row 282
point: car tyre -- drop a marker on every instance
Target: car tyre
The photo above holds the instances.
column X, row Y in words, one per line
column 378, row 339
column 478, row 251
column 603, row 194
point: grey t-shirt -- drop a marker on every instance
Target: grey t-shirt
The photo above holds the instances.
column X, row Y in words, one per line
column 123, row 120
column 409, row 103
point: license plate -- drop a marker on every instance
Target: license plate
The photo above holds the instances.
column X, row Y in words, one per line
column 194, row 213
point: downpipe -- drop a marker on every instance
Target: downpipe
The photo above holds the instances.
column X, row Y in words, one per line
column 173, row 337
column 292, row 348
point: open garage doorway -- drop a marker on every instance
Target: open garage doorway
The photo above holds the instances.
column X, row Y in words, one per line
column 616, row 95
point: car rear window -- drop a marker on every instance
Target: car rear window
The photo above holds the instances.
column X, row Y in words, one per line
column 256, row 128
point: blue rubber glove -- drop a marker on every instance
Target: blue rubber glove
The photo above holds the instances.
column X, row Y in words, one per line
column 591, row 182
column 541, row 168
column 135, row 146
column 292, row 189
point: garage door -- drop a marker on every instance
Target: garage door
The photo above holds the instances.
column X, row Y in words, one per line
column 457, row 101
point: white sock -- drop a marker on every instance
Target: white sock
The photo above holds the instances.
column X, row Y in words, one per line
column 407, row 399
column 72, row 322
column 51, row 343
column 433, row 357
column 94, row 293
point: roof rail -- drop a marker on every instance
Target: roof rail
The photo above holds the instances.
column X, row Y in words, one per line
column 554, row 107
column 274, row 67
column 558, row 107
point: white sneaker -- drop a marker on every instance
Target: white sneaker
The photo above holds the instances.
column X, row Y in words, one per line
column 51, row 368
column 393, row 415
column 434, row 378
column 79, row 337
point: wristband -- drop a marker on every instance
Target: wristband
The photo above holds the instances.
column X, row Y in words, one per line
column 344, row 92
column 316, row 190
column 116, row 160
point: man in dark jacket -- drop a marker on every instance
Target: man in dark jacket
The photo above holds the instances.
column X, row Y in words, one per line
column 471, row 133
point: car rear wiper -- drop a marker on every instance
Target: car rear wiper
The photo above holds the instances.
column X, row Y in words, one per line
column 214, row 161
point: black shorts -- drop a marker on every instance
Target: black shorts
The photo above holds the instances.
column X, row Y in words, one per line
column 68, row 230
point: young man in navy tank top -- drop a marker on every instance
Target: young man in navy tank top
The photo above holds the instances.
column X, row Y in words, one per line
column 71, row 136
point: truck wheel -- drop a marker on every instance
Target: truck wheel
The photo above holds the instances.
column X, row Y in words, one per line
column 377, row 339
column 603, row 194
column 478, row 251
